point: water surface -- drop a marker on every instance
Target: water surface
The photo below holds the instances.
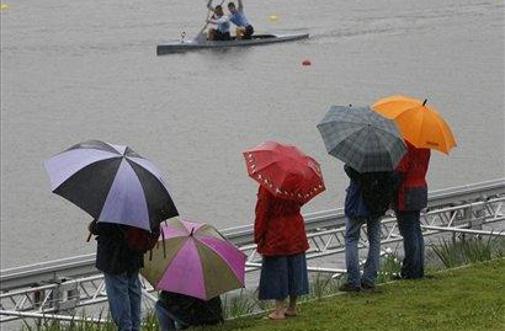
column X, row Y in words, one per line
column 75, row 70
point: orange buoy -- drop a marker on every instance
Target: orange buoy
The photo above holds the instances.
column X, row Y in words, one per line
column 306, row 63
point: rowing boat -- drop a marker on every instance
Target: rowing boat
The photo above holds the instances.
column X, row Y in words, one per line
column 259, row 39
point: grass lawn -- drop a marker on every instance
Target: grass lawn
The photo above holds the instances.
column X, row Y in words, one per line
column 469, row 298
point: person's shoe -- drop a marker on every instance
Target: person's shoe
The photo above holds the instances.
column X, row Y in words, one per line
column 347, row 287
column 290, row 312
column 367, row 287
column 397, row 277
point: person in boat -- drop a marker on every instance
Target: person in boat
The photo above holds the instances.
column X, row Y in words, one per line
column 244, row 29
column 222, row 23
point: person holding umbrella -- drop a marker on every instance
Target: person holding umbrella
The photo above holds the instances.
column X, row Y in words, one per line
column 412, row 197
column 193, row 264
column 177, row 311
column 368, row 198
column 371, row 147
column 128, row 199
column 120, row 263
column 288, row 179
column 423, row 129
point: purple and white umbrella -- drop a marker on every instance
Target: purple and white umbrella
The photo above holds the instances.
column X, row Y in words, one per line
column 198, row 261
column 112, row 183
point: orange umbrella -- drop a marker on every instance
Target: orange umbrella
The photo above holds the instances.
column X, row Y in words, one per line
column 420, row 124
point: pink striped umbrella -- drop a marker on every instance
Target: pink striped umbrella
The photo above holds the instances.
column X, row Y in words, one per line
column 195, row 260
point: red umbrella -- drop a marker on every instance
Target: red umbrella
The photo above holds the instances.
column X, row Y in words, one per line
column 285, row 171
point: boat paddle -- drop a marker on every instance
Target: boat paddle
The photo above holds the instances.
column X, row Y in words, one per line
column 200, row 37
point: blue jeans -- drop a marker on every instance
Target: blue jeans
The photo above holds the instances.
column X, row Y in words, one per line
column 124, row 295
column 167, row 321
column 352, row 234
column 409, row 225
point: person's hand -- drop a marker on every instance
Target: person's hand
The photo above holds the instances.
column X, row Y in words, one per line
column 156, row 231
column 91, row 226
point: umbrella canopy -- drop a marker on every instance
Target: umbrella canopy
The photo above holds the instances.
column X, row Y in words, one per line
column 362, row 139
column 285, row 171
column 420, row 124
column 198, row 262
column 112, row 183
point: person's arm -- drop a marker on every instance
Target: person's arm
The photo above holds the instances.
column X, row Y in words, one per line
column 103, row 229
column 351, row 172
column 220, row 20
column 260, row 222
column 240, row 5
column 403, row 167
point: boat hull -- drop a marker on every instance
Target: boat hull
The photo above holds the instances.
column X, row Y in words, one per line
column 260, row 39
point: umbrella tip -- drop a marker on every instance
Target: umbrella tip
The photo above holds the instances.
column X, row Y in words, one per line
column 191, row 234
column 424, row 102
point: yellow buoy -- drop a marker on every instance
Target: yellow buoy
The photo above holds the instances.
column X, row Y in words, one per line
column 4, row 6
column 273, row 18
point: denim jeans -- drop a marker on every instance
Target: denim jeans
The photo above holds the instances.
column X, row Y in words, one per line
column 352, row 235
column 167, row 321
column 413, row 243
column 124, row 295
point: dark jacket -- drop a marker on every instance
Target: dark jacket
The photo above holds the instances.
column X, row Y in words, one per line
column 355, row 206
column 113, row 255
column 369, row 194
column 413, row 191
column 279, row 228
column 192, row 311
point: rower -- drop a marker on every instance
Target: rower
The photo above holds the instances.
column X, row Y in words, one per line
column 244, row 29
column 222, row 31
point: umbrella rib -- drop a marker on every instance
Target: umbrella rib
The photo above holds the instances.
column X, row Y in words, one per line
column 398, row 134
column 263, row 167
column 202, row 246
column 95, row 144
column 390, row 155
column 447, row 138
column 363, row 124
column 84, row 167
column 64, row 189
column 271, row 163
column 133, row 165
column 418, row 134
column 344, row 141
column 124, row 214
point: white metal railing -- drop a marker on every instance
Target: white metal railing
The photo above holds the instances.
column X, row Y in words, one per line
column 56, row 289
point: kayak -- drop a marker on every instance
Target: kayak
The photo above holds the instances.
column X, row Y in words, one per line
column 257, row 39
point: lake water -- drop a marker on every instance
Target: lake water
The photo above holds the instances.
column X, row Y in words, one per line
column 75, row 70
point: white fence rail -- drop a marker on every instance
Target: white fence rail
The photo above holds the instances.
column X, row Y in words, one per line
column 57, row 288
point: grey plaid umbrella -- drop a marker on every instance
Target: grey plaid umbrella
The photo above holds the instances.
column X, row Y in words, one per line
column 362, row 138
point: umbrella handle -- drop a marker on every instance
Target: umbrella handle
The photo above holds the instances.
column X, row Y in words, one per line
column 89, row 237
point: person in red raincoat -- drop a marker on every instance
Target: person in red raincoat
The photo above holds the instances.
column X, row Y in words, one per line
column 412, row 197
column 279, row 232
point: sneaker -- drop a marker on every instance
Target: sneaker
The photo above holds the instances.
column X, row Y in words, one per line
column 367, row 287
column 397, row 277
column 347, row 287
